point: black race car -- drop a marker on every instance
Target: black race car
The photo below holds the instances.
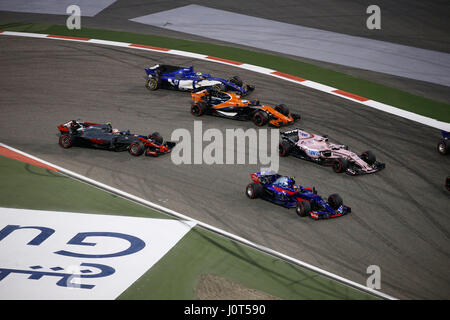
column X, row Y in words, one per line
column 104, row 136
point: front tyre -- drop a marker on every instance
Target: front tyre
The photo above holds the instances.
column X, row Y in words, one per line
column 283, row 109
column 136, row 148
column 368, row 157
column 237, row 81
column 260, row 118
column 303, row 208
column 340, row 165
column 65, row 141
column 335, row 201
column 155, row 136
column 443, row 147
column 151, row 84
column 254, row 190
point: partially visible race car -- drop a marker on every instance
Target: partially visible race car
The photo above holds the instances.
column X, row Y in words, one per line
column 231, row 106
column 283, row 190
column 316, row 148
column 447, row 183
column 186, row 79
column 443, row 146
column 104, row 136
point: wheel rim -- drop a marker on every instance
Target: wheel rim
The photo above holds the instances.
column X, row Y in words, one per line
column 151, row 84
column 134, row 149
column 337, row 166
column 258, row 119
column 65, row 142
column 250, row 192
column 441, row 148
column 196, row 110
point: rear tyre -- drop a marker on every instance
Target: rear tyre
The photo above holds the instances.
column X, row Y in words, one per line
column 443, row 147
column 254, row 190
column 151, row 84
column 260, row 118
column 136, row 148
column 368, row 157
column 335, row 201
column 303, row 208
column 283, row 109
column 155, row 136
column 198, row 109
column 340, row 165
column 284, row 149
column 65, row 141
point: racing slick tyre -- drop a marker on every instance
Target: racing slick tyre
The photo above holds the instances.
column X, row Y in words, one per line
column 65, row 141
column 340, row 165
column 155, row 136
column 136, row 148
column 303, row 208
column 260, row 118
column 198, row 109
column 151, row 84
column 284, row 149
column 237, row 81
column 368, row 157
column 443, row 147
column 335, row 201
column 254, row 190
column 283, row 109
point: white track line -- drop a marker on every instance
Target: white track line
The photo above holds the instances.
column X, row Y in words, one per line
column 308, row 83
column 204, row 225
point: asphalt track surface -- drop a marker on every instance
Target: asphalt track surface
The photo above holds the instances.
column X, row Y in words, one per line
column 400, row 216
column 417, row 23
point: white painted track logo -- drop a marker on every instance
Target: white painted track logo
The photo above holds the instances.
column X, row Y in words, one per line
column 65, row 255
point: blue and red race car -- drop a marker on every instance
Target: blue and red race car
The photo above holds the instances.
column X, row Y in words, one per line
column 186, row 79
column 283, row 191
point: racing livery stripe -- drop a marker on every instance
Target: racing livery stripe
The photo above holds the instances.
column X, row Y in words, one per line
column 225, row 60
column 17, row 156
column 67, row 37
column 350, row 95
column 288, row 76
column 148, row 47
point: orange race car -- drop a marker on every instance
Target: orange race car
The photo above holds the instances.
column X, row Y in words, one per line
column 231, row 106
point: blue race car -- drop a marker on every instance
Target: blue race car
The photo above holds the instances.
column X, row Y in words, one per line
column 186, row 79
column 283, row 191
column 444, row 145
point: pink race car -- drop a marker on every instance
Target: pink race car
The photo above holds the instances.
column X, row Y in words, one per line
column 316, row 148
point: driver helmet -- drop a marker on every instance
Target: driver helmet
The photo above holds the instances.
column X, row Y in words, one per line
column 291, row 181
